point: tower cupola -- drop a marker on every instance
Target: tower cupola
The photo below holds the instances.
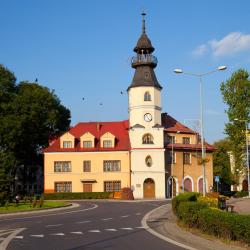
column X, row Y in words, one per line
column 144, row 62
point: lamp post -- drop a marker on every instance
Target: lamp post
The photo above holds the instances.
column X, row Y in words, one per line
column 247, row 153
column 180, row 71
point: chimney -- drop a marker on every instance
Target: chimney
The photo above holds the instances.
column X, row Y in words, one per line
column 98, row 126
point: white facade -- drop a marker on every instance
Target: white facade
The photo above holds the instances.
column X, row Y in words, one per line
column 146, row 114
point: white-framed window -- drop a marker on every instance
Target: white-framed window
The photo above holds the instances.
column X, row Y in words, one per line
column 107, row 143
column 147, row 139
column 147, row 96
column 86, row 166
column 186, row 158
column 111, row 166
column 186, row 140
column 67, row 144
column 62, row 166
column 112, row 186
column 87, row 144
column 63, row 186
column 171, row 155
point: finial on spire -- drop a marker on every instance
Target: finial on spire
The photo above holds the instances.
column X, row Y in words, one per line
column 143, row 22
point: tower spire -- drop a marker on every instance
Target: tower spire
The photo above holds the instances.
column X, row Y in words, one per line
column 143, row 22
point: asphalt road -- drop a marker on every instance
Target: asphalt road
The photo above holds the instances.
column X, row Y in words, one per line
column 93, row 225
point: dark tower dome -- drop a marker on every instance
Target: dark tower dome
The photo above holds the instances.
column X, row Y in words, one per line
column 144, row 62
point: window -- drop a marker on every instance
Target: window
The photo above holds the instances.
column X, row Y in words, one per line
column 147, row 139
column 107, row 144
column 67, row 144
column 186, row 158
column 148, row 161
column 63, row 186
column 62, row 166
column 111, row 166
column 87, row 144
column 170, row 139
column 112, row 186
column 186, row 140
column 171, row 156
column 86, row 166
column 147, row 96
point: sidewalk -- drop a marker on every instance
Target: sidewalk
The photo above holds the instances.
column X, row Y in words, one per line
column 163, row 221
column 241, row 205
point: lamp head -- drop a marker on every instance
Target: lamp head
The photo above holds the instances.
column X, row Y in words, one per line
column 178, row 71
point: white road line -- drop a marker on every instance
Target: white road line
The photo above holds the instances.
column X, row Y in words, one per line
column 1, row 238
column 138, row 213
column 125, row 216
column 58, row 234
column 54, row 225
column 126, row 228
column 76, row 232
column 94, row 231
column 140, row 227
column 46, row 215
column 37, row 235
column 19, row 237
column 107, row 219
column 7, row 240
column 111, row 230
column 7, row 232
column 85, row 221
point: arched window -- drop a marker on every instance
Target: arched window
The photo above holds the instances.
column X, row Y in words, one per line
column 147, row 139
column 147, row 96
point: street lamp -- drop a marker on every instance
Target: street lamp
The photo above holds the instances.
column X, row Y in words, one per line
column 247, row 153
column 180, row 71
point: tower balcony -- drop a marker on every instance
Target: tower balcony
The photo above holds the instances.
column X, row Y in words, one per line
column 144, row 59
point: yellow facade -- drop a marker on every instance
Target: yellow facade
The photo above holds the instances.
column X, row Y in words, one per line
column 78, row 177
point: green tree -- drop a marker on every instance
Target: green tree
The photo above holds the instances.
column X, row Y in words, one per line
column 221, row 163
column 29, row 115
column 236, row 94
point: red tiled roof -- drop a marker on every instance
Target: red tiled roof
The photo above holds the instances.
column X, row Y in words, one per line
column 191, row 147
column 172, row 125
column 118, row 129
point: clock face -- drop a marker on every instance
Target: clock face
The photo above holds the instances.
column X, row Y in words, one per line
column 148, row 117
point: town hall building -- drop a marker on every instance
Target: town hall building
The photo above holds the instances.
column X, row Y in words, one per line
column 151, row 152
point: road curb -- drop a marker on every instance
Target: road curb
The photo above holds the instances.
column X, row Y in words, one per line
column 150, row 230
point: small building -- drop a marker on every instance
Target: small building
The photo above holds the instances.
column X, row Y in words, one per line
column 152, row 153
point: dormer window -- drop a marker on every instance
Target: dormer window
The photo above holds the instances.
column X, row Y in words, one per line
column 147, row 97
column 107, row 143
column 67, row 144
column 186, row 140
column 147, row 139
column 87, row 144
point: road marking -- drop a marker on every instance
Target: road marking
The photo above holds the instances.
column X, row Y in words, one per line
column 111, row 229
column 81, row 222
column 107, row 219
column 19, row 237
column 76, row 232
column 37, row 235
column 4, row 244
column 1, row 238
column 125, row 216
column 140, row 227
column 46, row 215
column 58, row 234
column 55, row 225
column 126, row 228
column 94, row 231
column 138, row 213
column 6, row 232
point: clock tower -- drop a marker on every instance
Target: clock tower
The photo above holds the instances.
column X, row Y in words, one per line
column 146, row 131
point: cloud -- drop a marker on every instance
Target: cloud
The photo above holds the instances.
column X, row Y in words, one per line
column 200, row 50
column 231, row 44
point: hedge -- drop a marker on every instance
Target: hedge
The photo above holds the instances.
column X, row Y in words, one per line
column 213, row 221
column 192, row 196
column 74, row 196
column 241, row 194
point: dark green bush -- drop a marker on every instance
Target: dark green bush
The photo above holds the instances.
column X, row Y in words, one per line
column 188, row 212
column 241, row 194
column 76, row 196
column 192, row 196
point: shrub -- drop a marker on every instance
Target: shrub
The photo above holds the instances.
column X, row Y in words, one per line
column 211, row 202
column 188, row 212
column 241, row 194
column 75, row 196
column 182, row 198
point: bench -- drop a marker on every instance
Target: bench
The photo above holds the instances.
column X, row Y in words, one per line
column 230, row 208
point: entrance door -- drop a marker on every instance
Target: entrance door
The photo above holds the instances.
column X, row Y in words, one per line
column 87, row 187
column 200, row 184
column 188, row 185
column 149, row 188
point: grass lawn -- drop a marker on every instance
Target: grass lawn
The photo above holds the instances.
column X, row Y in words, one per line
column 27, row 206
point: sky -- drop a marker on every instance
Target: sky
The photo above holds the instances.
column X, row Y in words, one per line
column 82, row 49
